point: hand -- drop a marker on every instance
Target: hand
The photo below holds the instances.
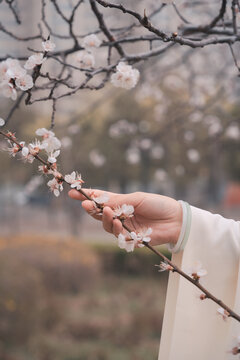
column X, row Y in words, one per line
column 161, row 213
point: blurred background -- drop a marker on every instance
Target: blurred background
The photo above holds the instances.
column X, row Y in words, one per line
column 66, row 291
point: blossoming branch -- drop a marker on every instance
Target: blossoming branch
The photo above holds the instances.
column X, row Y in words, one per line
column 50, row 146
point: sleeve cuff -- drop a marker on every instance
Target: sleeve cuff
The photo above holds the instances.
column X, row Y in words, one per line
column 185, row 229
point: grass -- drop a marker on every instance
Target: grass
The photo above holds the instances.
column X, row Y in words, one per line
column 73, row 302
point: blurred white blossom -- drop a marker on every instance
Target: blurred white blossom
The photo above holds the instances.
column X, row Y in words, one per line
column 8, row 90
column 34, row 60
column 85, row 59
column 233, row 132
column 125, row 77
column 189, row 135
column 133, row 155
column 180, row 170
column 193, row 155
column 66, row 142
column 25, row 82
column 196, row 116
column 74, row 129
column 91, row 41
column 48, row 45
column 16, row 72
column 122, row 127
column 96, row 158
column 145, row 144
column 160, row 175
column 157, row 152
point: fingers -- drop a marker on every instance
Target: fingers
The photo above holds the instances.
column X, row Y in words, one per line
column 110, row 224
column 74, row 194
column 107, row 219
column 91, row 209
column 114, row 199
column 117, row 227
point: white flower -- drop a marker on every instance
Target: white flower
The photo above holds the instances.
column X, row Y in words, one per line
column 86, row 59
column 34, row 60
column 121, row 241
column 224, row 313
column 48, row 45
column 2, row 122
column 25, row 82
column 55, row 186
column 13, row 150
column 196, row 271
column 16, row 72
column 145, row 234
column 128, row 245
column 29, row 158
column 50, row 141
column 44, row 133
column 124, row 211
column 164, row 266
column 102, row 199
column 52, row 158
column 3, row 71
column 91, row 41
column 25, row 151
column 136, row 238
column 12, row 62
column 8, row 90
column 44, row 169
column 126, row 77
column 74, row 179
column 35, row 147
column 141, row 236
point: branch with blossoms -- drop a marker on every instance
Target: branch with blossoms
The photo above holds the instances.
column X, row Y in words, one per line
column 107, row 53
column 104, row 53
column 49, row 146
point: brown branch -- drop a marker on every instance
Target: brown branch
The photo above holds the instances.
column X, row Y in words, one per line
column 196, row 283
column 173, row 267
column 234, row 17
column 104, row 27
column 14, row 11
column 15, row 106
column 19, row 38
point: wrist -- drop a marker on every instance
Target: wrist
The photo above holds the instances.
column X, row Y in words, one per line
column 183, row 229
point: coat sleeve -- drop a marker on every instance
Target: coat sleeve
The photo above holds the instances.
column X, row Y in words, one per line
column 192, row 329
